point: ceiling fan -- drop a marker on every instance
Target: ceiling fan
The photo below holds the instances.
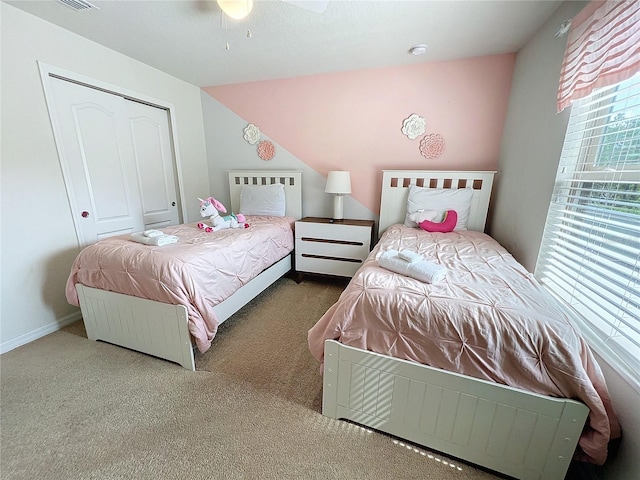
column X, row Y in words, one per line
column 239, row 9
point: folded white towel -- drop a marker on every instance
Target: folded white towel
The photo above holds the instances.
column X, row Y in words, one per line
column 152, row 233
column 422, row 270
column 157, row 241
column 410, row 256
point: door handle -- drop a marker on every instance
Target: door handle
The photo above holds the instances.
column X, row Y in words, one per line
column 173, row 204
column 85, row 214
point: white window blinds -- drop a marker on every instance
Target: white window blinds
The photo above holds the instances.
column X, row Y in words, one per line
column 590, row 253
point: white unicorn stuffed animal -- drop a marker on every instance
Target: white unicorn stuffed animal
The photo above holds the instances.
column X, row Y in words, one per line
column 211, row 208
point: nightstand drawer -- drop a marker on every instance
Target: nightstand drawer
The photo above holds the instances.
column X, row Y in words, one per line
column 331, row 249
column 335, row 232
column 327, row 266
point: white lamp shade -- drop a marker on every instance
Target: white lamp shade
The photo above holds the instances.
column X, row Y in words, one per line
column 237, row 9
column 338, row 182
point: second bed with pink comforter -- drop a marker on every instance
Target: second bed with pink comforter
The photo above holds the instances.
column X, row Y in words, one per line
column 200, row 271
column 488, row 319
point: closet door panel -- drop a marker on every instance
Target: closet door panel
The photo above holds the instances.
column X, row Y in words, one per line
column 96, row 130
column 96, row 152
column 153, row 157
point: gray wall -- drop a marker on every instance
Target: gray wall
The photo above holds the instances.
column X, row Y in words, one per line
column 38, row 237
column 531, row 143
column 530, row 151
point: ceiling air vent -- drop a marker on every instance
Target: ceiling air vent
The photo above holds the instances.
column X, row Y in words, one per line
column 78, row 5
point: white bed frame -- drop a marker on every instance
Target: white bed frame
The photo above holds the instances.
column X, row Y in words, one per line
column 160, row 329
column 509, row 430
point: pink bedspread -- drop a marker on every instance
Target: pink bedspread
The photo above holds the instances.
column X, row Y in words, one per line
column 199, row 271
column 489, row 319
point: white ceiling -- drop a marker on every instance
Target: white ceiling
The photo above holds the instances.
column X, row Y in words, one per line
column 186, row 38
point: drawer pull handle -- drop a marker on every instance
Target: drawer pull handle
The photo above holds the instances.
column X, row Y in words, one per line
column 339, row 259
column 322, row 240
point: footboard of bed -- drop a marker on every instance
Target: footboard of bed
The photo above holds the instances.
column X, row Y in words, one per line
column 154, row 328
column 518, row 433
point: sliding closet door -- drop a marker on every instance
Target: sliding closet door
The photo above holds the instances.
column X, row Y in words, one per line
column 154, row 161
column 117, row 158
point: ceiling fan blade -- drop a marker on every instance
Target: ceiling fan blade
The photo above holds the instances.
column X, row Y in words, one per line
column 317, row 6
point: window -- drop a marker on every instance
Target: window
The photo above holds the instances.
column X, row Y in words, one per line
column 590, row 252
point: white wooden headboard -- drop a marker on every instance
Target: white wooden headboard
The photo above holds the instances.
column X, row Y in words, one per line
column 395, row 189
column 291, row 179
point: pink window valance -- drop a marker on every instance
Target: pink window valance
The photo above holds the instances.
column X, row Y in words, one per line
column 603, row 48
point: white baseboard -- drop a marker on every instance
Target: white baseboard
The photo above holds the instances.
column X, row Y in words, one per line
column 39, row 333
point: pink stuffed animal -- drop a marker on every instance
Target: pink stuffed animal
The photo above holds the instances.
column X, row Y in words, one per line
column 211, row 208
column 446, row 225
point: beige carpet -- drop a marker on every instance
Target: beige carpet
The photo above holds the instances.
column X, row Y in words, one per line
column 266, row 344
column 77, row 409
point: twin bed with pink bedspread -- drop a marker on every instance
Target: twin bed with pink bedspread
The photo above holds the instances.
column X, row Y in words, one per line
column 484, row 365
column 160, row 300
column 200, row 271
column 490, row 319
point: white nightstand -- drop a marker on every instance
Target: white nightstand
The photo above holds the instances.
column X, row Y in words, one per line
column 332, row 247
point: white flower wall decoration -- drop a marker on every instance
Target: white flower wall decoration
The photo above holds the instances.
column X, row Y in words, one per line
column 252, row 134
column 414, row 126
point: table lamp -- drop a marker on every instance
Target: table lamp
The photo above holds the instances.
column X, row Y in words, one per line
column 339, row 183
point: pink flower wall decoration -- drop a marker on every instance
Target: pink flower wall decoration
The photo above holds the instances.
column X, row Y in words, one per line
column 432, row 145
column 266, row 150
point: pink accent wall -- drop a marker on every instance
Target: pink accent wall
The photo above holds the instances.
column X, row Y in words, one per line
column 353, row 120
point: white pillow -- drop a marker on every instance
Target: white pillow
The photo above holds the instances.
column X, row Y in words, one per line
column 263, row 200
column 440, row 199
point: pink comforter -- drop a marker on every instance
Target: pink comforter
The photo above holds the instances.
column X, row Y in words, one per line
column 489, row 319
column 199, row 271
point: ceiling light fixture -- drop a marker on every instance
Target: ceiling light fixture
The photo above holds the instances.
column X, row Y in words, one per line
column 237, row 9
column 419, row 49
